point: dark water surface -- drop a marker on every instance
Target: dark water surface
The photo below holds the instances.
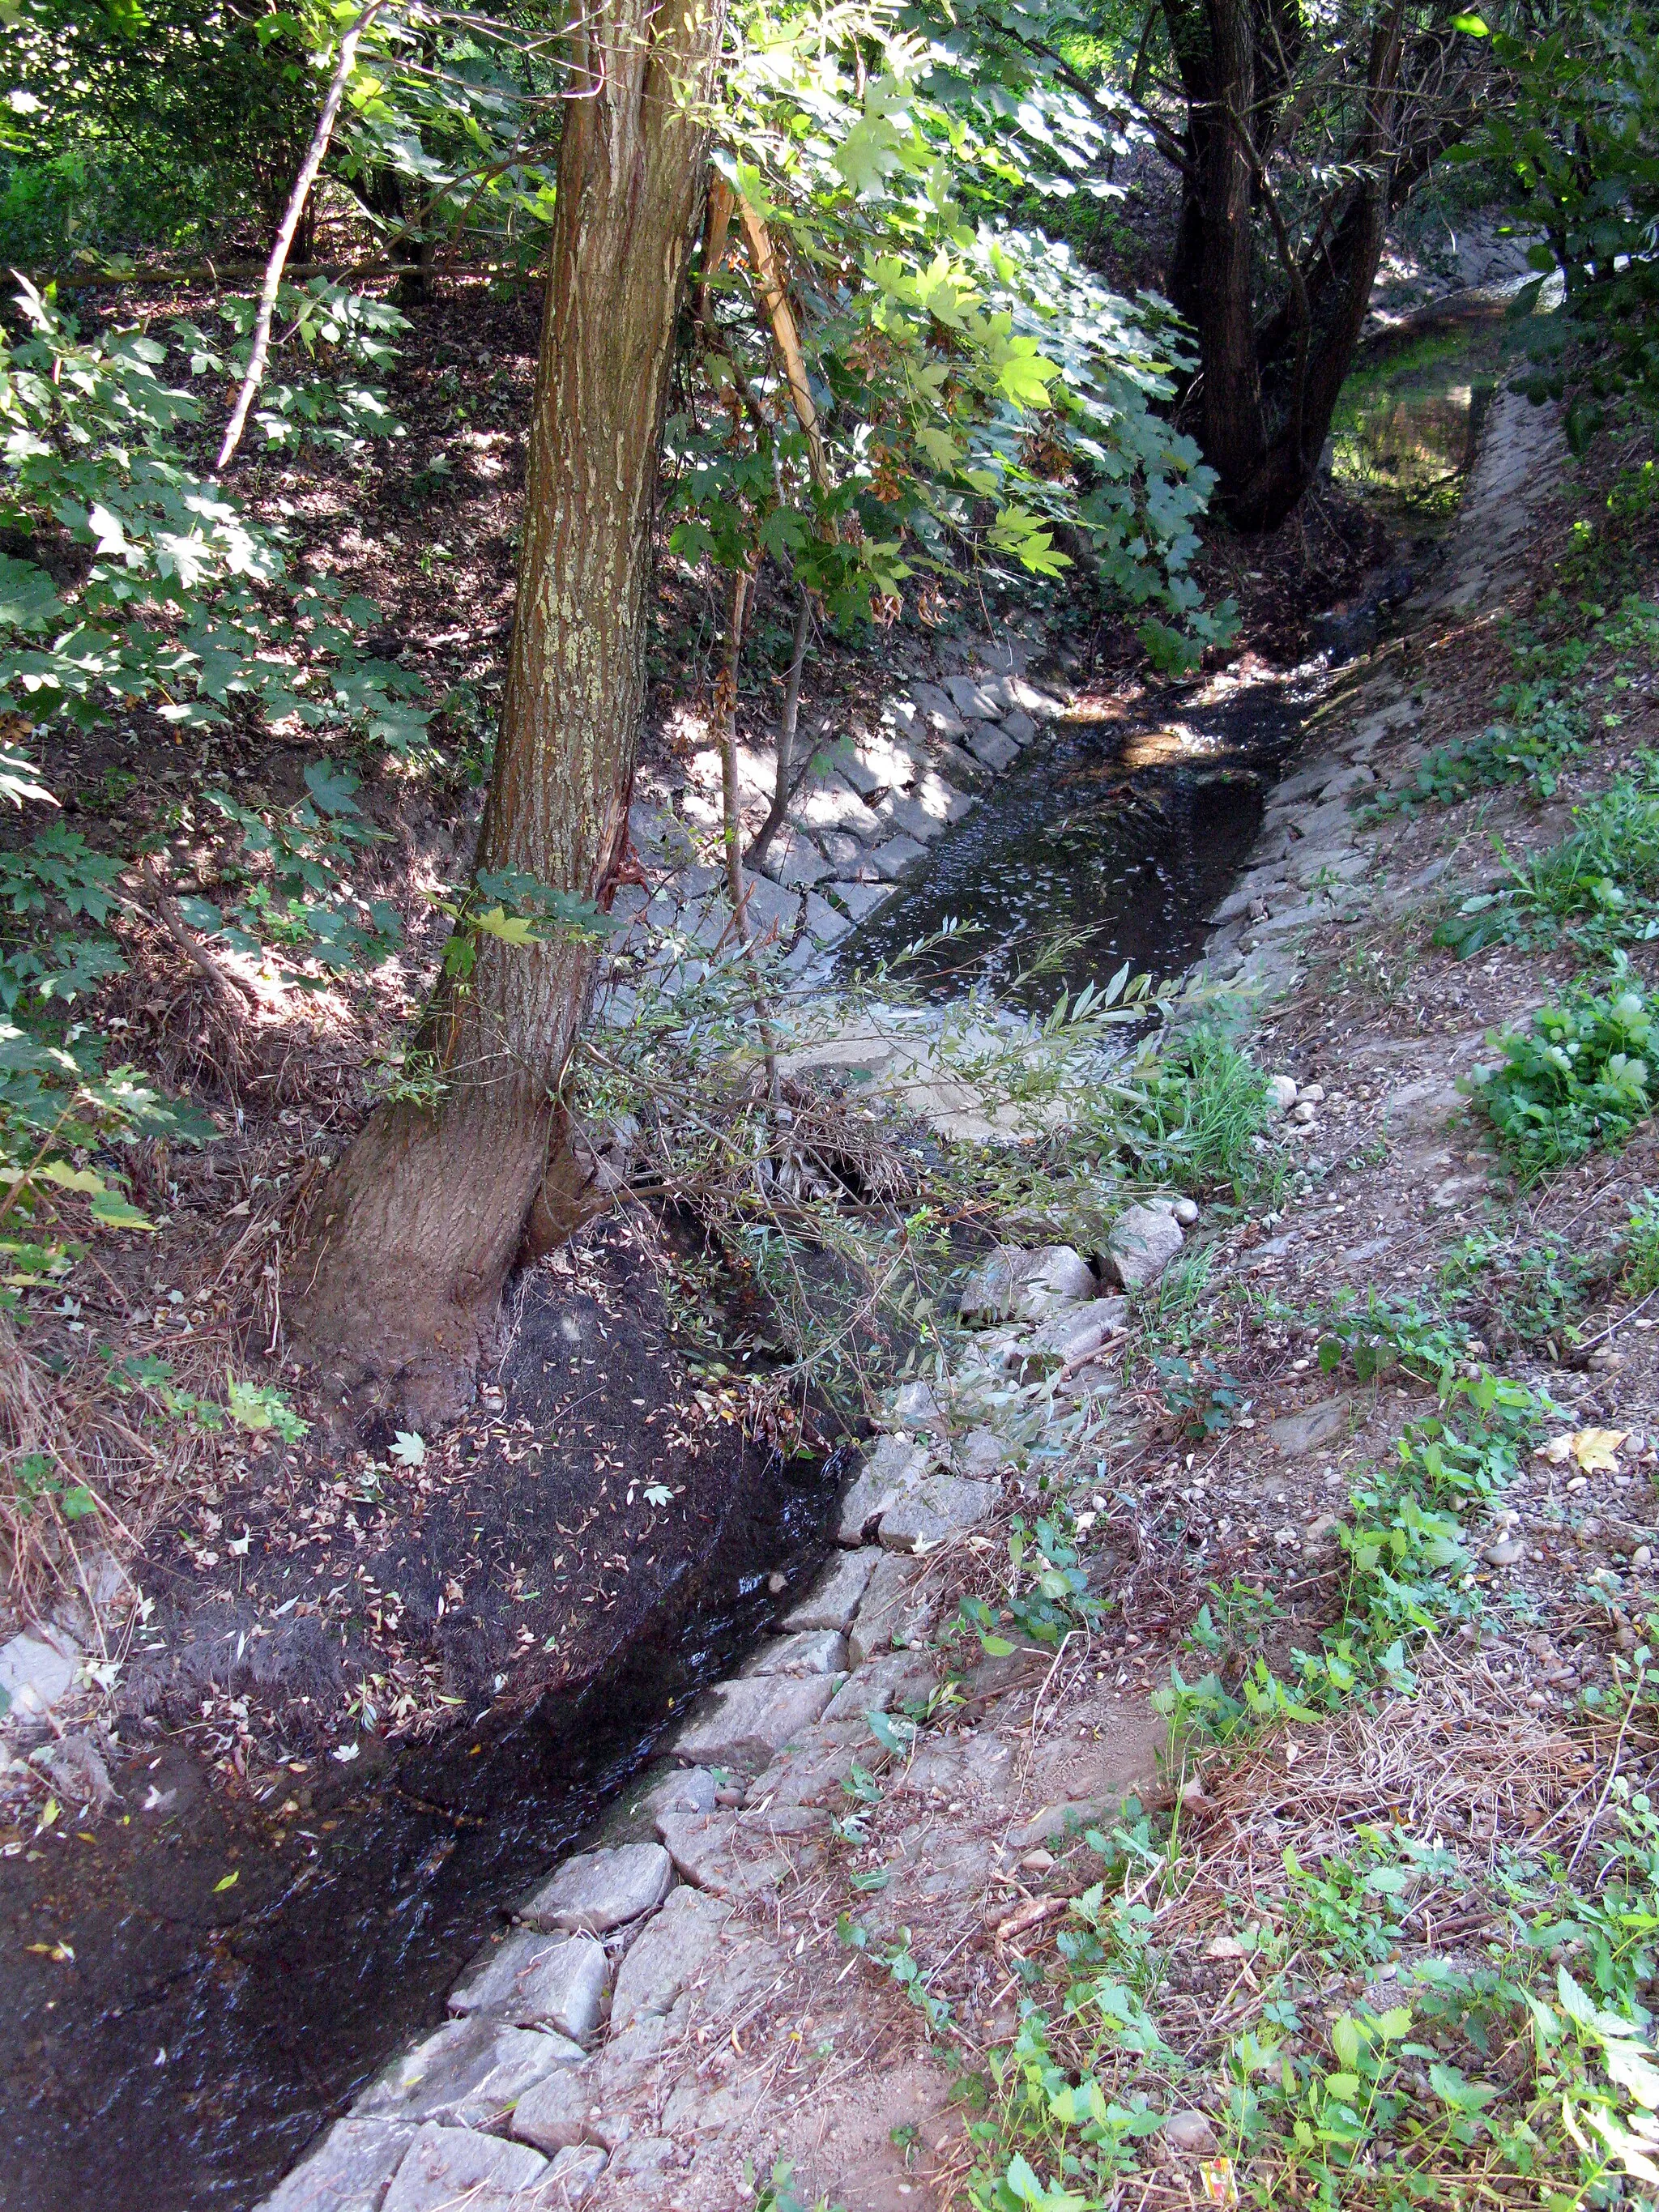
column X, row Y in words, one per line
column 201, row 2035
column 1121, row 834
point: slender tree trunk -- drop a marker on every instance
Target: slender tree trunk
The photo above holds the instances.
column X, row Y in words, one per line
column 789, row 778
column 418, row 1227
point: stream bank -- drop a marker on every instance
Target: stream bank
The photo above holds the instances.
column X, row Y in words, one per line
column 472, row 1658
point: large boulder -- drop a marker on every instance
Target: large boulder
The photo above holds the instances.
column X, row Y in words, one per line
column 1016, row 1286
column 1143, row 1242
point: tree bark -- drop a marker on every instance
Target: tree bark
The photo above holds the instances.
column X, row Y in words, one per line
column 417, row 1229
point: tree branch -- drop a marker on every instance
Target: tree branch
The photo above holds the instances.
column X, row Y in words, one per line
column 274, row 267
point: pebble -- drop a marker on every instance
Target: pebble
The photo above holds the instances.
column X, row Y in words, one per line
column 1507, row 1552
column 1281, row 1093
column 1191, row 2132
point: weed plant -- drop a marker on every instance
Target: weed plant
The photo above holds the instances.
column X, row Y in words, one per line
column 1579, row 1080
column 1204, row 1116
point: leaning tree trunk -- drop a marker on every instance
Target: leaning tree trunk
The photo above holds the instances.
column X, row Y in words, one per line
column 415, row 1229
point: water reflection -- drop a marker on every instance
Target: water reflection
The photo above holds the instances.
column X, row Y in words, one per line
column 1116, row 833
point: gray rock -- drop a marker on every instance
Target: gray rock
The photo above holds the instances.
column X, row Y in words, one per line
column 860, row 900
column 975, row 700
column 1508, row 1552
column 556, row 2113
column 668, row 1957
column 990, row 748
column 601, row 1890
column 519, row 2057
column 909, row 815
column 1012, row 1284
column 895, row 1612
column 447, row 2166
column 1297, row 1433
column 571, row 2177
column 1019, row 725
column 349, row 2170
column 826, row 924
column 743, row 1724
column 35, row 1676
column 1069, row 1337
column 812, row 1651
column 461, row 2067
column 981, row 1451
column 538, row 1981
column 916, row 1407
column 880, row 1684
column 940, row 1506
column 892, row 1468
column 1141, row 1246
column 683, row 1790
column 645, row 2156
column 834, row 1598
column 891, row 859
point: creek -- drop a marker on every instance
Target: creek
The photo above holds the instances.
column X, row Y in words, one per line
column 202, row 2031
column 178, row 2033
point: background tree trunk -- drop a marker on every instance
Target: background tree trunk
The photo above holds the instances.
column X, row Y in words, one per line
column 1268, row 382
column 412, row 1236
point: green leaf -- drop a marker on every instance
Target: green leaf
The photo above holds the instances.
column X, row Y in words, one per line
column 230, row 1882
column 1471, row 26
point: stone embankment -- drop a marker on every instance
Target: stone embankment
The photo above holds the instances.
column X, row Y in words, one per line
column 874, row 802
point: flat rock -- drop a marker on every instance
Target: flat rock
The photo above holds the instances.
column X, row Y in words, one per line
column 683, row 1789
column 894, row 1613
column 36, row 1675
column 939, row 1506
column 880, row 1684
column 860, row 900
column 349, row 2170
column 1142, row 1244
column 1019, row 725
column 671, row 1953
column 826, row 924
column 980, row 1452
column 461, row 2068
column 1296, row 1433
column 990, row 748
column 810, row 1651
column 977, row 701
column 916, row 1407
column 534, row 1980
column 601, row 1890
column 1012, row 1284
column 910, row 814
column 891, row 859
column 555, row 2112
column 742, row 1723
column 1069, row 1338
column 444, row 2167
column 834, row 1598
